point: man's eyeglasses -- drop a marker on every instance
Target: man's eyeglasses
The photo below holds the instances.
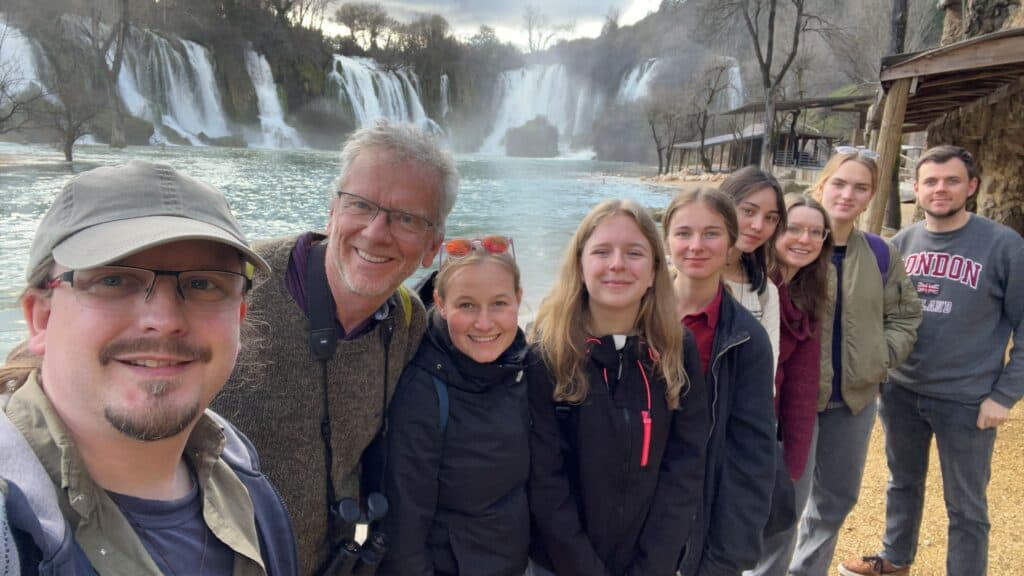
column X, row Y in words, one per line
column 865, row 152
column 816, row 234
column 364, row 211
column 462, row 247
column 114, row 287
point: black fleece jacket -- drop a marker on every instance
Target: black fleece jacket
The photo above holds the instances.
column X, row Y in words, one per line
column 458, row 501
column 597, row 507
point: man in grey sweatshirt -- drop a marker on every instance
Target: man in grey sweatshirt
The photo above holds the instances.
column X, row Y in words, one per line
column 969, row 273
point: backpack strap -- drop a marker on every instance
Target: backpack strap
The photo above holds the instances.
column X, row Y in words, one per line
column 881, row 249
column 442, row 403
column 406, row 300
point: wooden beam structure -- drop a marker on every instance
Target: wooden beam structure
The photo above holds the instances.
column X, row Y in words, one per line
column 890, row 133
column 995, row 49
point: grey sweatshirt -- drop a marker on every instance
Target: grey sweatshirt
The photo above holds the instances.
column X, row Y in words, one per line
column 971, row 285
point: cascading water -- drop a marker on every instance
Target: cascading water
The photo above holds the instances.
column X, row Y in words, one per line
column 172, row 85
column 637, row 83
column 275, row 132
column 567, row 103
column 445, row 98
column 21, row 61
column 369, row 92
column 734, row 94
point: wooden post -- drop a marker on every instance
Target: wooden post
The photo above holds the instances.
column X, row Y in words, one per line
column 890, row 134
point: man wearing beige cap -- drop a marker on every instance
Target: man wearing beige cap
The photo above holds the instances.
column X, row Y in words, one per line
column 111, row 463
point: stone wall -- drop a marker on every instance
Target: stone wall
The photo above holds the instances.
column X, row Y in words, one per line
column 993, row 130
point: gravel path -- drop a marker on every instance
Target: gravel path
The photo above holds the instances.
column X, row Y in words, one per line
column 862, row 533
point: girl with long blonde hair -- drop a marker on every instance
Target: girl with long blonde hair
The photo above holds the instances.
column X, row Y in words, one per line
column 873, row 324
column 619, row 413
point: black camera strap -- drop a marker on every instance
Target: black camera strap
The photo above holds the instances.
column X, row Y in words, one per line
column 323, row 339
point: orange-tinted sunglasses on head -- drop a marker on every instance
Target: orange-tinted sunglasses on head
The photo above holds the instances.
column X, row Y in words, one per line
column 462, row 247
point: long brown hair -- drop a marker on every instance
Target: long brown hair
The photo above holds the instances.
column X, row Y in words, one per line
column 560, row 328
column 738, row 186
column 809, row 286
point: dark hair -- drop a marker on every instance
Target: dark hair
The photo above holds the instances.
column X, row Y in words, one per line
column 738, row 186
column 809, row 286
column 945, row 153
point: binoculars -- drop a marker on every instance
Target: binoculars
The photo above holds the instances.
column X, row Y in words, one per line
column 349, row 558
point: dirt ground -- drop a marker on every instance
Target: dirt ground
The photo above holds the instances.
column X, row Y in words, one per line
column 862, row 533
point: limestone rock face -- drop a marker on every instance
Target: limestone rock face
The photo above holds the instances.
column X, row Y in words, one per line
column 535, row 139
column 994, row 133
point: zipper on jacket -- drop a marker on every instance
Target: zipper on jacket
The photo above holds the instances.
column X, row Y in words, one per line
column 646, row 418
column 714, row 375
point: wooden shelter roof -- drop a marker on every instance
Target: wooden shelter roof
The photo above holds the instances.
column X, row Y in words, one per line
column 838, row 103
column 749, row 132
column 946, row 78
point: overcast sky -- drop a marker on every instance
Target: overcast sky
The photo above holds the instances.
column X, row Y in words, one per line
column 506, row 16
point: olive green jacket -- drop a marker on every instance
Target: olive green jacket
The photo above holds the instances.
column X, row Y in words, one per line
column 879, row 323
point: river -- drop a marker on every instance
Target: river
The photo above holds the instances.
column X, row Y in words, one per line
column 274, row 193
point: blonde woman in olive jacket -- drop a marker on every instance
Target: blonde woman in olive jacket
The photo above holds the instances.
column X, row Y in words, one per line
column 873, row 328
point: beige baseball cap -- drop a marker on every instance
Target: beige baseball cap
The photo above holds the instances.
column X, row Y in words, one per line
column 112, row 212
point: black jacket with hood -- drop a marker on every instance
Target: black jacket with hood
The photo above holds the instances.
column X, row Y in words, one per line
column 458, row 500
column 598, row 508
column 741, row 448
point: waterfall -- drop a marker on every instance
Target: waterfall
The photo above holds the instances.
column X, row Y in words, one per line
column 369, row 92
column 275, row 132
column 542, row 90
column 734, row 94
column 637, row 83
column 172, row 85
column 20, row 63
column 445, row 98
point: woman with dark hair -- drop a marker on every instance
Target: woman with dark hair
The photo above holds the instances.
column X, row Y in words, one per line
column 760, row 216
column 802, row 270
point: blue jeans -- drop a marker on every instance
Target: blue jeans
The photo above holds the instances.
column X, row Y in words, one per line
column 838, row 468
column 778, row 549
column 965, row 457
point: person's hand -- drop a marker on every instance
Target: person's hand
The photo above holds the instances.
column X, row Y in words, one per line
column 991, row 414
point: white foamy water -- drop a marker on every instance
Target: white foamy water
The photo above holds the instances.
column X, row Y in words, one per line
column 275, row 132
column 569, row 104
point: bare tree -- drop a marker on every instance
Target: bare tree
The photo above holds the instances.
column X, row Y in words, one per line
column 17, row 94
column 78, row 88
column 309, row 13
column 611, row 20
column 368, row 19
column 707, row 89
column 667, row 122
column 773, row 49
column 539, row 29
column 108, row 44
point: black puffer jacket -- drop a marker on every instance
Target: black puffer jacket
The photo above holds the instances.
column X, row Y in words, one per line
column 597, row 507
column 458, row 502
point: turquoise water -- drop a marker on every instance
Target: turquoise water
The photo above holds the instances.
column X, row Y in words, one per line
column 275, row 193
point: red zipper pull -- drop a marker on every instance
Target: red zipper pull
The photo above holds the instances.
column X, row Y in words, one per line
column 647, row 437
